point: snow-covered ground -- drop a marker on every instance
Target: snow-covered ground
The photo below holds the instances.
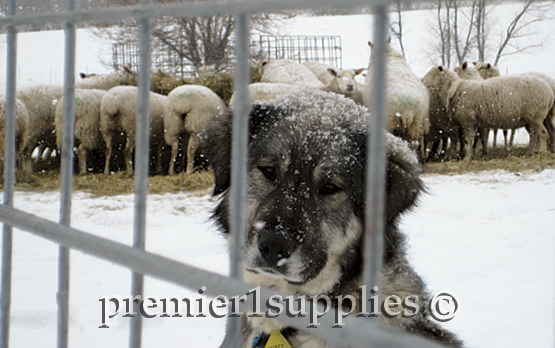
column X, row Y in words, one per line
column 488, row 238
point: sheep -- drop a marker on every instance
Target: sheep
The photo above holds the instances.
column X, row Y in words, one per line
column 105, row 82
column 337, row 80
column 407, row 99
column 487, row 71
column 87, row 124
column 21, row 121
column 264, row 91
column 442, row 127
column 188, row 111
column 328, row 79
column 118, row 113
column 467, row 72
column 40, row 102
column 501, row 102
column 289, row 72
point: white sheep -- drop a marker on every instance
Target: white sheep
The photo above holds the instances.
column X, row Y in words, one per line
column 289, row 72
column 21, row 121
column 118, row 113
column 188, row 111
column 340, row 81
column 264, row 91
column 487, row 70
column 407, row 99
column 40, row 102
column 105, row 82
column 501, row 102
column 87, row 124
column 467, row 72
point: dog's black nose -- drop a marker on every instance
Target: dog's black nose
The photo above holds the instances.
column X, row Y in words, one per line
column 274, row 246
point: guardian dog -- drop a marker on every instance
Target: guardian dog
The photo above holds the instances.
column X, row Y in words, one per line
column 305, row 208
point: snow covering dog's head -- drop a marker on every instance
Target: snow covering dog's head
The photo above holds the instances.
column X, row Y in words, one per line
column 305, row 204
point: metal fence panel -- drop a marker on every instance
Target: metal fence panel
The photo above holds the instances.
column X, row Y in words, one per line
column 356, row 333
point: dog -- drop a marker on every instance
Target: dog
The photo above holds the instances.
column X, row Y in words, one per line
column 305, row 208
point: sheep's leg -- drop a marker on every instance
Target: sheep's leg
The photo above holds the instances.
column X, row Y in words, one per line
column 512, row 140
column 194, row 142
column 108, row 140
column 468, row 141
column 484, row 133
column 540, row 139
column 549, row 124
column 494, row 145
column 26, row 159
column 128, row 154
column 82, row 154
column 173, row 158
column 506, row 138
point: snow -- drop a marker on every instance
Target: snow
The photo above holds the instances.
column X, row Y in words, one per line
column 488, row 237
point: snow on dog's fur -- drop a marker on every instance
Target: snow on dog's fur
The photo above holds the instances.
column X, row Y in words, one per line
column 305, row 207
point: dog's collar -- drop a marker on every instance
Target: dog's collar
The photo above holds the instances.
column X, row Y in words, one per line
column 278, row 338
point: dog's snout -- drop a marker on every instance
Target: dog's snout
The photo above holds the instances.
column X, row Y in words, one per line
column 274, row 246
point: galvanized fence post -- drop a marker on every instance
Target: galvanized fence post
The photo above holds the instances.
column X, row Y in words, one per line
column 9, row 178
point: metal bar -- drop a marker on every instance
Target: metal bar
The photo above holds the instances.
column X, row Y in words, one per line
column 376, row 157
column 9, row 179
column 141, row 168
column 187, row 9
column 66, row 178
column 357, row 332
column 239, row 152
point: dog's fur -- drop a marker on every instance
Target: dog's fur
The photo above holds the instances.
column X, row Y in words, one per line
column 305, row 207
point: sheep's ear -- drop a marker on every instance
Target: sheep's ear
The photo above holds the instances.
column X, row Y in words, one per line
column 370, row 44
column 332, row 72
column 474, row 63
column 465, row 65
column 440, row 68
column 389, row 39
column 82, row 75
column 358, row 71
column 217, row 140
column 127, row 70
column 489, row 66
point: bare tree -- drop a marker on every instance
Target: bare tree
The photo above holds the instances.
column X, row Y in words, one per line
column 396, row 27
column 462, row 21
column 201, row 41
column 463, row 28
column 522, row 27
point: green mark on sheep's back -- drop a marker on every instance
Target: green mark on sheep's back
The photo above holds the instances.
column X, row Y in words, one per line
column 186, row 95
column 79, row 102
column 406, row 102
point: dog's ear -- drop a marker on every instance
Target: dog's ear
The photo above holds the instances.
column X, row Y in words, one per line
column 217, row 140
column 403, row 180
column 403, row 183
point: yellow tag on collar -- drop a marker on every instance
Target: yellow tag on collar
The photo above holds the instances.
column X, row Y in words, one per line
column 277, row 340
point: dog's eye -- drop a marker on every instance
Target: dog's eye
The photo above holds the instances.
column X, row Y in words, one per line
column 329, row 189
column 268, row 172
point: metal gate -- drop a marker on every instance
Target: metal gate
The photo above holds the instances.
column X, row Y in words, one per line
column 355, row 333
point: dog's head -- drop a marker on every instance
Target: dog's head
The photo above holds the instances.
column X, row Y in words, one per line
column 305, row 204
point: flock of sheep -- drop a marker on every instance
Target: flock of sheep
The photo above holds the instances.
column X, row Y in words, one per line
column 447, row 108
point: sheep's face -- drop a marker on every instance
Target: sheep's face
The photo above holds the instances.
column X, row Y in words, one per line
column 345, row 80
column 486, row 70
column 438, row 76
